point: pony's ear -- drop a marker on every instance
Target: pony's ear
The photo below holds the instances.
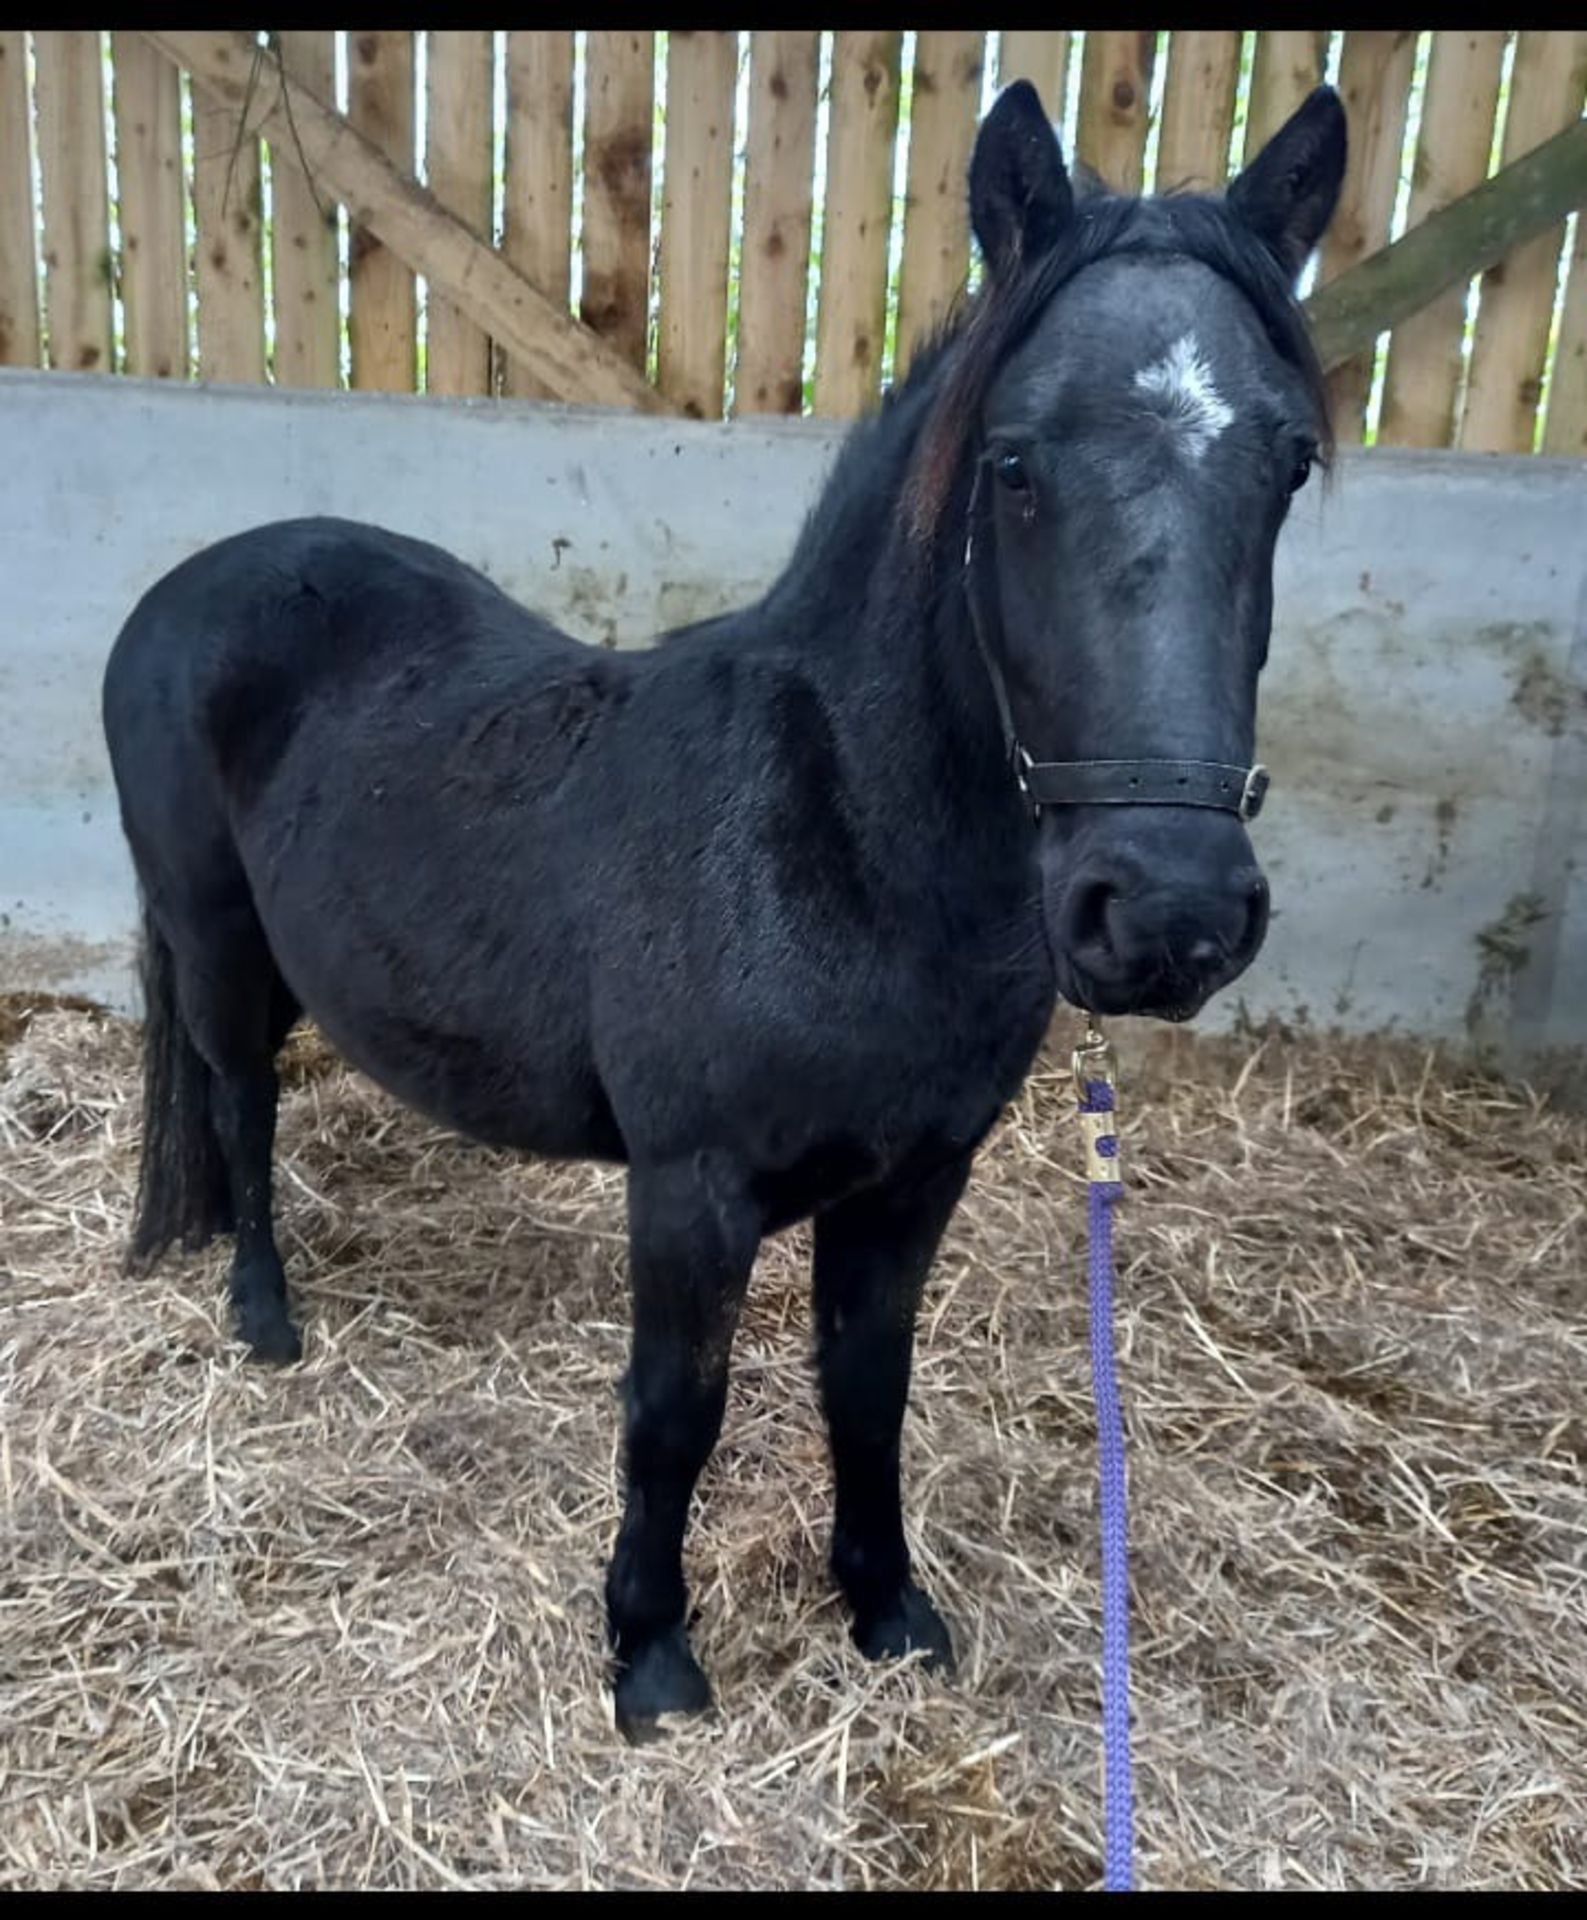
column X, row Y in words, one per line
column 1288, row 193
column 1020, row 197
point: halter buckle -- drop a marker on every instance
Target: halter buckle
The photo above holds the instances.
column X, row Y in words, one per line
column 1253, row 793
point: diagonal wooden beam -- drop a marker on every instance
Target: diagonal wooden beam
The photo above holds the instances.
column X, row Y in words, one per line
column 568, row 359
column 1465, row 238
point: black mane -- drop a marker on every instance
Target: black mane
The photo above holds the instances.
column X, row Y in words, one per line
column 848, row 526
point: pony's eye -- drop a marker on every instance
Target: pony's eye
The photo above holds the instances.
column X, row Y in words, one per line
column 1011, row 473
column 1302, row 472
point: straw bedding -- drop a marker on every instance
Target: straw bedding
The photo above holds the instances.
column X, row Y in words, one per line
column 342, row 1625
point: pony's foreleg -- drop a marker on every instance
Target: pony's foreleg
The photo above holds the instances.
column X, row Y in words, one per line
column 693, row 1234
column 872, row 1255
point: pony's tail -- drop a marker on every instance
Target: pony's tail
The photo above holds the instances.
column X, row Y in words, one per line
column 182, row 1188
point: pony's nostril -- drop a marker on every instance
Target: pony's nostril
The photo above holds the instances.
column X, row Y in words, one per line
column 1088, row 917
column 1256, row 906
column 1205, row 955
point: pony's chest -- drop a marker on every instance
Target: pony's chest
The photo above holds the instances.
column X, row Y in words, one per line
column 936, row 1054
column 916, row 1086
column 958, row 1022
column 981, row 1032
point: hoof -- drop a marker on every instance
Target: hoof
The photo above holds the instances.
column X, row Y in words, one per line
column 910, row 1624
column 259, row 1305
column 272, row 1339
column 663, row 1677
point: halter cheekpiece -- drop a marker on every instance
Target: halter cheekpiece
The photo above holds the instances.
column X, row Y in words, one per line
column 1107, row 783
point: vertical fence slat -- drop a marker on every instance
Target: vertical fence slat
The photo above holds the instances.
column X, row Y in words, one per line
column 71, row 135
column 538, row 239
column 619, row 102
column 152, row 202
column 1115, row 94
column 19, row 275
column 458, row 166
column 228, row 264
column 1452, row 150
column 1547, row 85
column 696, row 221
column 851, row 316
column 1198, row 111
column 1042, row 58
column 382, row 320
column 778, row 173
column 1565, row 425
column 945, row 103
column 303, row 235
column 1375, row 71
column 1286, row 68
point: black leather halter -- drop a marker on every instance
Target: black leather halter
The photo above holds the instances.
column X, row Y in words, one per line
column 1107, row 783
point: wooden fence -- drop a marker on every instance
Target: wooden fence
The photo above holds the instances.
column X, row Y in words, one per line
column 463, row 212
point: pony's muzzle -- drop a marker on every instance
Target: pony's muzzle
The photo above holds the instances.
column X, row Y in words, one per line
column 1128, row 944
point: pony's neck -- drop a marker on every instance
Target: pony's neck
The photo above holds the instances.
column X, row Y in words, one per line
column 877, row 616
column 919, row 687
column 872, row 607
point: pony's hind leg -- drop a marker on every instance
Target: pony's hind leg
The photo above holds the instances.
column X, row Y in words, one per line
column 872, row 1255
column 238, row 1010
column 183, row 1193
column 693, row 1234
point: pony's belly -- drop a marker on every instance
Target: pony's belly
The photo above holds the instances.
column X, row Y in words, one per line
column 493, row 1088
column 507, row 1068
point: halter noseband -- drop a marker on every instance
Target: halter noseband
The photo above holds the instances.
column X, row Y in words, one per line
column 1107, row 783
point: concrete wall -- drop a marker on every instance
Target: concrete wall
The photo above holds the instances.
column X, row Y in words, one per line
column 1424, row 713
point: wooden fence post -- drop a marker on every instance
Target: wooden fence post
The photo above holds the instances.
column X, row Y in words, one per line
column 1198, row 111
column 457, row 356
column 945, row 106
column 619, row 102
column 1423, row 375
column 1115, row 92
column 696, row 221
column 382, row 321
column 19, row 278
column 228, row 261
column 148, row 103
column 1375, row 70
column 1286, row 67
column 778, row 184
column 77, row 263
column 1516, row 300
column 303, row 235
column 538, row 239
column 851, row 318
column 1565, row 425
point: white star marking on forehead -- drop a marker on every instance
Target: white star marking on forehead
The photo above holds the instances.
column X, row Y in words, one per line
column 1184, row 380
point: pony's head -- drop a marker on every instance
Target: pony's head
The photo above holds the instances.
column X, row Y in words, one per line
column 1122, row 422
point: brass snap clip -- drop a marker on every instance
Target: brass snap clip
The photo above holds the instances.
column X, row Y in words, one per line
column 1091, row 1061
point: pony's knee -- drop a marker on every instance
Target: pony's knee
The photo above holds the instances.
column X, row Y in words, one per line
column 673, row 1412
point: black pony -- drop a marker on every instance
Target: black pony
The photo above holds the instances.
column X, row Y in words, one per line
column 775, row 913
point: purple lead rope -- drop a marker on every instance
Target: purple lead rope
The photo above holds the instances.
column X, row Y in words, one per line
column 1118, row 1795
